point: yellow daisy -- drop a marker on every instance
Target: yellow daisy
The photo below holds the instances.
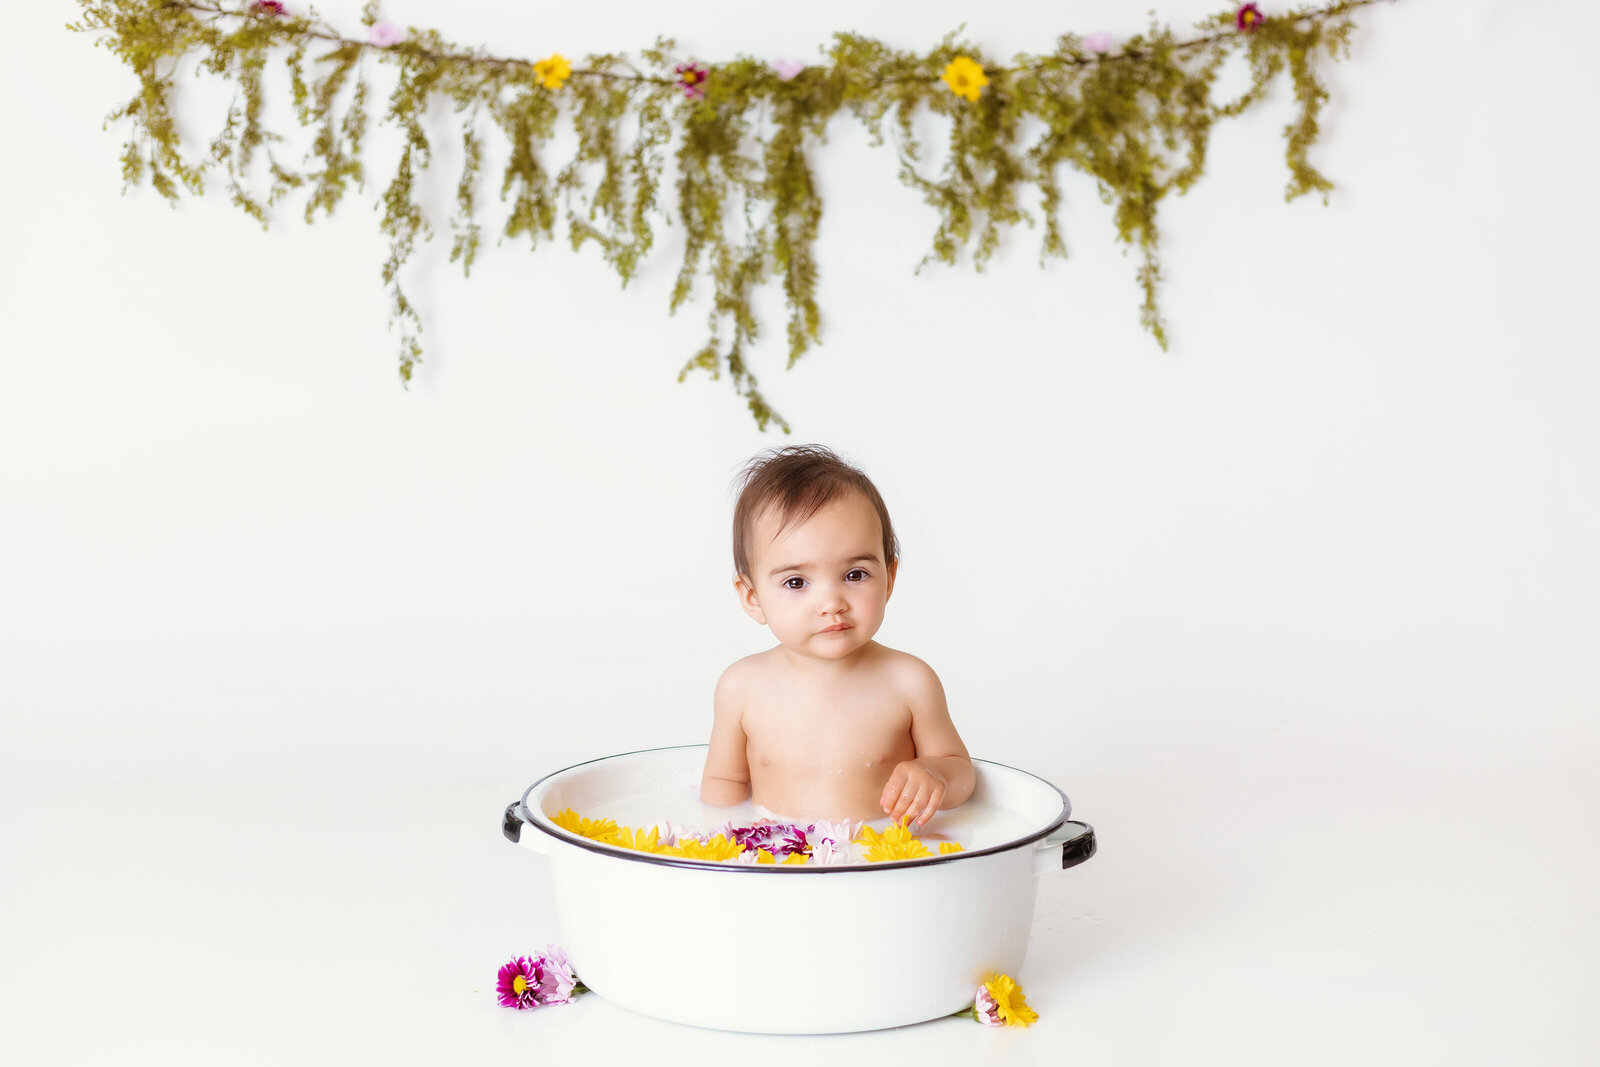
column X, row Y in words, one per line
column 639, row 840
column 594, row 829
column 947, row 847
column 718, row 849
column 884, row 850
column 553, row 72
column 965, row 78
column 1014, row 1010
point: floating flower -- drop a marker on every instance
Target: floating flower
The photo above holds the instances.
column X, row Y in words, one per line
column 787, row 69
column 718, row 849
column 384, row 34
column 594, row 829
column 269, row 7
column 692, row 78
column 553, row 72
column 965, row 78
column 639, row 840
column 947, row 847
column 1249, row 18
column 1099, row 42
column 885, row 850
column 1009, row 1004
column 520, row 982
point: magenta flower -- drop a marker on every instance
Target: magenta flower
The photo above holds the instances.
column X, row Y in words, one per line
column 1099, row 42
column 1248, row 18
column 269, row 7
column 787, row 68
column 520, row 982
column 692, row 77
column 384, row 34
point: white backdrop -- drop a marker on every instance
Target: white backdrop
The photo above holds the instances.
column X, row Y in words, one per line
column 1346, row 523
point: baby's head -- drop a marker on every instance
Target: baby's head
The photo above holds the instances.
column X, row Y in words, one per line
column 814, row 552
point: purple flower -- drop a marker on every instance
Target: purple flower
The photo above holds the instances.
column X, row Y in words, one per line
column 269, row 7
column 1249, row 18
column 384, row 34
column 692, row 77
column 520, row 982
column 1097, row 42
column 787, row 68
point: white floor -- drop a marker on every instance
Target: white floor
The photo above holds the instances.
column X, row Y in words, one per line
column 1268, row 921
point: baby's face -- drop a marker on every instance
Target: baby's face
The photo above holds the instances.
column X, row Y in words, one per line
column 820, row 585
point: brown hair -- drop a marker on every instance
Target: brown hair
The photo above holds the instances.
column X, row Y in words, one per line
column 798, row 481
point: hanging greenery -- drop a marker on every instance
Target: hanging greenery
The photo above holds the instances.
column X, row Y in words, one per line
column 1135, row 114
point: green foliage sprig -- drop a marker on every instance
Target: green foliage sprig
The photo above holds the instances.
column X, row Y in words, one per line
column 1137, row 119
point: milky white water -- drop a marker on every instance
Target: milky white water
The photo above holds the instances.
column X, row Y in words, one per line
column 974, row 825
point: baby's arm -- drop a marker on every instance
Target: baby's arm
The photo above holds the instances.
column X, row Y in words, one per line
column 726, row 779
column 941, row 775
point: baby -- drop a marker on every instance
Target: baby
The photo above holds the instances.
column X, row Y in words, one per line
column 829, row 724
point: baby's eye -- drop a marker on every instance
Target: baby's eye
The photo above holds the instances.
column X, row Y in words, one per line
column 795, row 582
column 857, row 575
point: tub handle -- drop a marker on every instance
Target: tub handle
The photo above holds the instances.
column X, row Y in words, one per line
column 1076, row 840
column 512, row 826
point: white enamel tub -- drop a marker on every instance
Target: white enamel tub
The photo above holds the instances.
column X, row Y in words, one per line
column 790, row 950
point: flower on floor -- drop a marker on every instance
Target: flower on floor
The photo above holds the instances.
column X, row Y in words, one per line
column 529, row 982
column 692, row 79
column 384, row 34
column 553, row 72
column 1249, row 18
column 519, row 983
column 269, row 7
column 1009, row 1004
column 558, row 985
column 985, row 1010
column 965, row 78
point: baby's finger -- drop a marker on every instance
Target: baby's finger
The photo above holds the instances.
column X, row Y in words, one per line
column 892, row 790
column 918, row 802
column 935, row 797
column 907, row 802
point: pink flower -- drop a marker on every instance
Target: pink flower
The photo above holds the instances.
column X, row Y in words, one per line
column 984, row 1007
column 692, row 77
column 269, row 7
column 384, row 34
column 556, row 978
column 1099, row 42
column 520, row 982
column 1248, row 18
column 787, row 68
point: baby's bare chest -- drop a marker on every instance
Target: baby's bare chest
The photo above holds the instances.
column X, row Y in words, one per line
column 804, row 728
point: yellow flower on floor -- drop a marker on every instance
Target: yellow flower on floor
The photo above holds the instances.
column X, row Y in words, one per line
column 594, row 829
column 947, row 847
column 1009, row 1004
column 718, row 849
column 965, row 78
column 553, row 72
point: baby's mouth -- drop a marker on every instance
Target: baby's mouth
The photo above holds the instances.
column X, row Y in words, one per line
column 836, row 627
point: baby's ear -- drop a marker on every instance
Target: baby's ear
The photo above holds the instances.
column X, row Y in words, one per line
column 747, row 599
column 894, row 568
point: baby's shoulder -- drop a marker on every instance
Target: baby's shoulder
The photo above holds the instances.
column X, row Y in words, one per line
column 743, row 674
column 905, row 671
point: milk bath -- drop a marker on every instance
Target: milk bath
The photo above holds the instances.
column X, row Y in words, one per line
column 974, row 825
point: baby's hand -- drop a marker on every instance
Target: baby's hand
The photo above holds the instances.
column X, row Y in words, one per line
column 914, row 789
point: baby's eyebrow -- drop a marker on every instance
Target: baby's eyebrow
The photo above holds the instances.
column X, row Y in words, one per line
column 865, row 557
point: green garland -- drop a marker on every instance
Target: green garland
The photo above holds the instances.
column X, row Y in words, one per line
column 1137, row 117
